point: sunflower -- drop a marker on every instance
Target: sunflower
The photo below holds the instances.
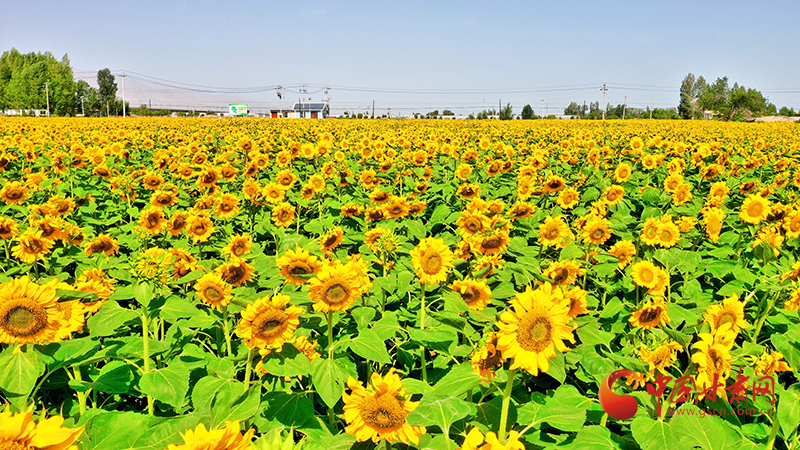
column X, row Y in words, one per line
column 283, row 214
column 14, row 193
column 755, row 209
column 487, row 358
column 397, row 207
column 613, row 194
column 622, row 172
column 471, row 223
column 552, row 231
column 184, row 263
column 379, row 413
column 713, row 357
column 660, row 358
column 771, row 363
column 650, row 232
column 8, row 228
column 731, row 311
column 463, row 172
column 228, row 206
column 335, row 288
column 791, row 224
column 490, row 244
column 624, row 251
column 475, row 440
column 596, row 231
column 432, row 260
column 19, row 432
column 554, row 184
column 667, row 233
column 238, row 246
column 31, row 246
column 672, row 182
column 476, row 294
column 152, row 220
column 213, row 291
column 73, row 316
column 535, row 328
column 521, row 210
column 162, row 199
column 650, row 315
column 268, row 322
column 564, row 272
column 713, row 219
column 228, row 438
column 467, row 191
column 577, row 301
column 152, row 181
column 332, row 239
column 199, row 227
column 352, row 210
column 236, row 273
column 568, row 198
column 375, row 214
column 297, row 265
column 29, row 313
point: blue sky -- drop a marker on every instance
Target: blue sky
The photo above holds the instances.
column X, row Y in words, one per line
column 417, row 56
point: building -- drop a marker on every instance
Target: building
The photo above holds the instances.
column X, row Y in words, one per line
column 309, row 111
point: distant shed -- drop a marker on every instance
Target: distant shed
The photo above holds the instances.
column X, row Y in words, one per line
column 310, row 111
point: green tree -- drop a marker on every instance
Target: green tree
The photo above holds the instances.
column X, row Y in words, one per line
column 689, row 92
column 507, row 113
column 106, row 89
column 27, row 80
column 527, row 112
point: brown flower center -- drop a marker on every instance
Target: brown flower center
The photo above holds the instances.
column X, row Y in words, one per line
column 534, row 331
column 650, row 315
column 270, row 323
column 492, row 242
column 431, row 262
column 212, row 294
column 336, row 293
column 23, row 320
column 383, row 411
column 471, row 295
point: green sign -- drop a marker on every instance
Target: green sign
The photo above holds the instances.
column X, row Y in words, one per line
column 237, row 109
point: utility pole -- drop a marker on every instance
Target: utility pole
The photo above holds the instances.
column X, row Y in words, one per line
column 303, row 104
column 280, row 97
column 541, row 110
column 373, row 109
column 604, row 100
column 624, row 107
column 583, row 111
column 123, row 94
column 47, row 94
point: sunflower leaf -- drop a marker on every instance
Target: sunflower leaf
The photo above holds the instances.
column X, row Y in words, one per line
column 330, row 379
column 19, row 370
column 370, row 346
column 109, row 319
column 440, row 411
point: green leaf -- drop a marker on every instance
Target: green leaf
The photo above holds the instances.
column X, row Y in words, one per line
column 189, row 277
column 288, row 362
column 292, row 410
column 114, row 378
column 652, row 434
column 168, row 385
column 227, row 406
column 19, row 371
column 115, row 430
column 66, row 353
column 459, row 380
column 790, row 348
column 693, row 428
column 143, row 293
column 370, row 346
column 442, row 412
column 363, row 316
column 591, row 334
column 789, row 410
column 594, row 437
column 433, row 339
column 208, row 387
column 109, row 319
column 565, row 410
column 387, row 326
column 329, row 379
column 489, row 413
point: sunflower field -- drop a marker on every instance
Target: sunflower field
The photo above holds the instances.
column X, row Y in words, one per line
column 323, row 284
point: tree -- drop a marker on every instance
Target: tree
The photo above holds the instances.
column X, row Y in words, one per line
column 507, row 113
column 527, row 112
column 690, row 90
column 107, row 88
column 27, row 81
column 447, row 112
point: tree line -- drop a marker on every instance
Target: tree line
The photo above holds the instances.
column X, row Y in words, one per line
column 29, row 81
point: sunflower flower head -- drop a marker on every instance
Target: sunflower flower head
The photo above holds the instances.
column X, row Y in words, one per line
column 269, row 322
column 432, row 260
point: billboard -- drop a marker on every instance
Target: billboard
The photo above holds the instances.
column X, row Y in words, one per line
column 237, row 109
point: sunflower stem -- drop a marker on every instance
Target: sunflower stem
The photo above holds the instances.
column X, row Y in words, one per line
column 329, row 316
column 81, row 395
column 146, row 357
column 773, row 432
column 247, row 369
column 422, row 327
column 763, row 317
column 227, row 330
column 506, row 403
